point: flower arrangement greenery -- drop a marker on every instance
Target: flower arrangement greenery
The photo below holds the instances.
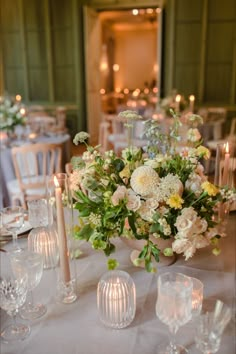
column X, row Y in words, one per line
column 12, row 113
column 158, row 192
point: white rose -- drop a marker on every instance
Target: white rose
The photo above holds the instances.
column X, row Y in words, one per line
column 152, row 203
column 184, row 226
column 145, row 212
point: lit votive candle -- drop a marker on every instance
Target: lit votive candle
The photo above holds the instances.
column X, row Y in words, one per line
column 116, row 299
column 18, row 98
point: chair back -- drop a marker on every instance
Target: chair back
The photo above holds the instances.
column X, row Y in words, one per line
column 32, row 164
column 232, row 131
column 42, row 123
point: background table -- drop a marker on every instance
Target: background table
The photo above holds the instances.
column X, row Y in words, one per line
column 7, row 170
column 76, row 328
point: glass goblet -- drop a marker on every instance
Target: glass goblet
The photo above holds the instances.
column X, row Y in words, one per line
column 33, row 263
column 13, row 291
column 12, row 221
column 174, row 306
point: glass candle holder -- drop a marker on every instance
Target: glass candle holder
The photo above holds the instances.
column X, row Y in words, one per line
column 225, row 166
column 116, row 299
column 61, row 221
column 42, row 239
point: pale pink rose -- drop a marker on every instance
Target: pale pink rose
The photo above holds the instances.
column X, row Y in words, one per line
column 194, row 184
column 133, row 202
column 211, row 233
column 181, row 245
column 118, row 195
column 200, row 241
column 200, row 226
column 200, row 171
column 145, row 212
column 184, row 226
column 189, row 252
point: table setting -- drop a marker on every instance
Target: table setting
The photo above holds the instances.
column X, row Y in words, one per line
column 17, row 131
column 96, row 295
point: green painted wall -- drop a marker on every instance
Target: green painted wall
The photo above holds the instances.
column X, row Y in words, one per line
column 200, row 50
column 42, row 57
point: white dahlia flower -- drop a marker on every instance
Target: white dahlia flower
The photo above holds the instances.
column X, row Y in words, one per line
column 144, row 180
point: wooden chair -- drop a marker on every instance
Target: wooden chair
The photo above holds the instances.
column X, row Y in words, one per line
column 32, row 164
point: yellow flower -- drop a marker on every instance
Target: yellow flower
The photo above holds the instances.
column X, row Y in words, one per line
column 210, row 188
column 125, row 173
column 175, row 201
column 202, row 151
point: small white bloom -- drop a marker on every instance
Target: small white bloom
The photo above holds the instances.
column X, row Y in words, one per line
column 193, row 135
column 80, row 137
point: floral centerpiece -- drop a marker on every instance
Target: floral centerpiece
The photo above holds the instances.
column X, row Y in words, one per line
column 147, row 195
column 12, row 113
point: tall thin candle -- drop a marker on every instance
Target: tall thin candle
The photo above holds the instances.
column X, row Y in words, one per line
column 191, row 105
column 226, row 165
column 62, row 242
column 177, row 100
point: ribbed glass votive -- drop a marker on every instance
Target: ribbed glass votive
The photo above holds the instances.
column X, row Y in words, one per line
column 116, row 299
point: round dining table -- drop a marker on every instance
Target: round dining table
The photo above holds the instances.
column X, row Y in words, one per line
column 76, row 328
column 7, row 170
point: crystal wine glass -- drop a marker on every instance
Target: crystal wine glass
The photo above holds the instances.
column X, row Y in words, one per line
column 174, row 305
column 13, row 291
column 12, row 221
column 33, row 262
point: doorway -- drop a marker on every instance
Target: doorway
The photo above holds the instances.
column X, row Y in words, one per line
column 123, row 61
column 129, row 63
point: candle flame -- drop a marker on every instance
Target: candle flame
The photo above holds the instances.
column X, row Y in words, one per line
column 56, row 181
column 227, row 148
column 178, row 98
column 18, row 98
column 191, row 98
column 22, row 111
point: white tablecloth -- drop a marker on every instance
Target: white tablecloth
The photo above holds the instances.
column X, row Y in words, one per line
column 76, row 328
column 7, row 170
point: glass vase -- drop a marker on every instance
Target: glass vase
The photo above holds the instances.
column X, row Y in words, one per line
column 61, row 221
column 116, row 299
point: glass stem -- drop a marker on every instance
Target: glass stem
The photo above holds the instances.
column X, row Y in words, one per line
column 30, row 298
column 14, row 324
column 14, row 239
column 172, row 345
